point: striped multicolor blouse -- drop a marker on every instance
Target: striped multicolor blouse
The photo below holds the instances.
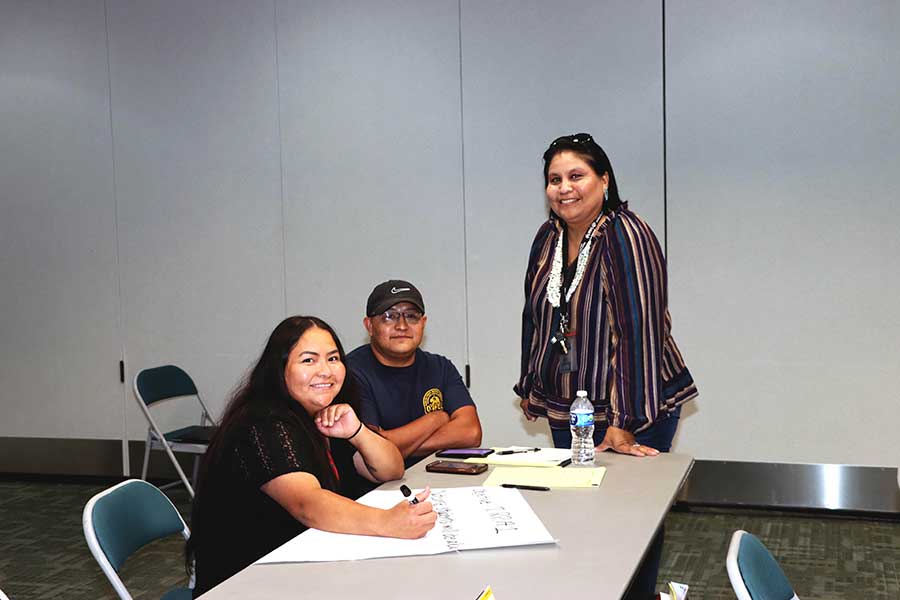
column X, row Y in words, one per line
column 623, row 351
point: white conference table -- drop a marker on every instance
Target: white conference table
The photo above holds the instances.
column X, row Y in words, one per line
column 602, row 535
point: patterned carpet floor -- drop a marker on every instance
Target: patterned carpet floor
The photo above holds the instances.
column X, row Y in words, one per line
column 43, row 554
column 824, row 558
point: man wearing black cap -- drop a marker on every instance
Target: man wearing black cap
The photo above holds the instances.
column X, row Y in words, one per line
column 414, row 398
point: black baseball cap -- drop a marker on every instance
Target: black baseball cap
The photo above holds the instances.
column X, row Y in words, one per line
column 391, row 292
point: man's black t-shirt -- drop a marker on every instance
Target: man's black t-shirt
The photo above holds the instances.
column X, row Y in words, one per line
column 392, row 397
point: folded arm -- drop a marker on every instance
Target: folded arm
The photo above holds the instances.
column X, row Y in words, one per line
column 436, row 431
column 376, row 458
column 462, row 431
column 408, row 438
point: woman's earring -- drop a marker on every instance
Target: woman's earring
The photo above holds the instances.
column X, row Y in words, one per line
column 606, row 194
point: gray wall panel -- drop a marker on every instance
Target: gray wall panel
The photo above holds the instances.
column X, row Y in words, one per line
column 533, row 71
column 783, row 212
column 59, row 306
column 782, row 209
column 197, row 160
column 370, row 117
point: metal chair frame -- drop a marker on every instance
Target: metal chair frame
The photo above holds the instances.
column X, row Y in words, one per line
column 171, row 522
column 156, row 438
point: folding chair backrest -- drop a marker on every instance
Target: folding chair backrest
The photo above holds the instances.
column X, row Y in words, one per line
column 754, row 572
column 122, row 519
column 161, row 383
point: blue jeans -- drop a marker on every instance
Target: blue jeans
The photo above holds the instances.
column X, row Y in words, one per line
column 659, row 436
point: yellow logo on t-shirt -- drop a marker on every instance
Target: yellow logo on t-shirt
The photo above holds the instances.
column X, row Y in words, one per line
column 433, row 400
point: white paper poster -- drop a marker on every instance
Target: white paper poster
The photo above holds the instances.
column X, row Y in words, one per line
column 468, row 518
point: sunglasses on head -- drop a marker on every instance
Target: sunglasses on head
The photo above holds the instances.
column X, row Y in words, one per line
column 575, row 138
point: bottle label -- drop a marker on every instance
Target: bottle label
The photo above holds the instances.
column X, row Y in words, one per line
column 585, row 419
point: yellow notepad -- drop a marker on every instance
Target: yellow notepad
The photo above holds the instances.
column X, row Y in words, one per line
column 554, row 477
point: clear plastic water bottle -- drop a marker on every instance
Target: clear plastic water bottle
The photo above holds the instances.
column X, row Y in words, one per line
column 581, row 422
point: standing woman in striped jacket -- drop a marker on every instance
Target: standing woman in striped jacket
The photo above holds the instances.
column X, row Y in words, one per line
column 596, row 312
column 596, row 318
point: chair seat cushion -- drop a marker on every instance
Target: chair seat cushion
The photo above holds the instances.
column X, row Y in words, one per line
column 195, row 434
column 761, row 572
column 181, row 593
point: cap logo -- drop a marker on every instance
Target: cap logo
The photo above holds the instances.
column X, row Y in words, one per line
column 398, row 290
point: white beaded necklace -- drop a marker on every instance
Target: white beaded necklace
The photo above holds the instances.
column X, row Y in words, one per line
column 554, row 282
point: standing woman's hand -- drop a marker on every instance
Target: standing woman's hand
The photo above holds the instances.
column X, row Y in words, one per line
column 337, row 421
column 523, row 404
column 623, row 442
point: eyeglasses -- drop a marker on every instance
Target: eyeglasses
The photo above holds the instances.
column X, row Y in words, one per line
column 575, row 138
column 393, row 316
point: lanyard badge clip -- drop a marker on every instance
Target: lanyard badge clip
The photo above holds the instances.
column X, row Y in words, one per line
column 560, row 337
column 566, row 364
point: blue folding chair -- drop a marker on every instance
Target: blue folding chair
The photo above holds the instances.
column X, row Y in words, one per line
column 124, row 518
column 754, row 572
column 168, row 382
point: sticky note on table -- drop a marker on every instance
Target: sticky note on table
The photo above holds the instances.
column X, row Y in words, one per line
column 486, row 594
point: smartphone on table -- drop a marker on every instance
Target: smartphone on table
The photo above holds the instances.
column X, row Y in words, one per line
column 464, row 452
column 451, row 466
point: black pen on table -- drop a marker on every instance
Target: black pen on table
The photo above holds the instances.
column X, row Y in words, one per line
column 505, row 452
column 407, row 493
column 518, row 486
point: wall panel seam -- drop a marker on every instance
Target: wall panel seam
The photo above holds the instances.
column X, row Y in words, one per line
column 462, row 146
column 280, row 160
column 665, row 165
column 120, row 316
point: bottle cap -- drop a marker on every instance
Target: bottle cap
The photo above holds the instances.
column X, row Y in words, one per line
column 581, row 394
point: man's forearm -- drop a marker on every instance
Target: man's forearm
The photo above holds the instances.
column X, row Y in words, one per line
column 463, row 431
column 410, row 437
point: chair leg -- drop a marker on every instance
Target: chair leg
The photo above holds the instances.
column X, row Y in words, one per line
column 146, row 457
column 196, row 469
column 180, row 471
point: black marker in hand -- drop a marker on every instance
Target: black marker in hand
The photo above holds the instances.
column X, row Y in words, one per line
column 407, row 493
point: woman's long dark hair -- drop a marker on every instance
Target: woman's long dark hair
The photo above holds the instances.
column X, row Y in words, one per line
column 584, row 146
column 264, row 394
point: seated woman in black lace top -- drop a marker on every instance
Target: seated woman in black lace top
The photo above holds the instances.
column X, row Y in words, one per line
column 290, row 454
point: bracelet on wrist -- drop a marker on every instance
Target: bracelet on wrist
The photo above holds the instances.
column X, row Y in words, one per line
column 358, row 429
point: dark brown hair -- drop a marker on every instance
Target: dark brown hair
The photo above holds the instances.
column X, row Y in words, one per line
column 263, row 394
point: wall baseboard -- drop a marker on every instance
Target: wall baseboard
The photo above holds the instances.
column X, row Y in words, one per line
column 83, row 458
column 835, row 489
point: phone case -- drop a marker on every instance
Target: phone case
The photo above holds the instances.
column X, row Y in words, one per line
column 464, row 452
column 460, row 468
